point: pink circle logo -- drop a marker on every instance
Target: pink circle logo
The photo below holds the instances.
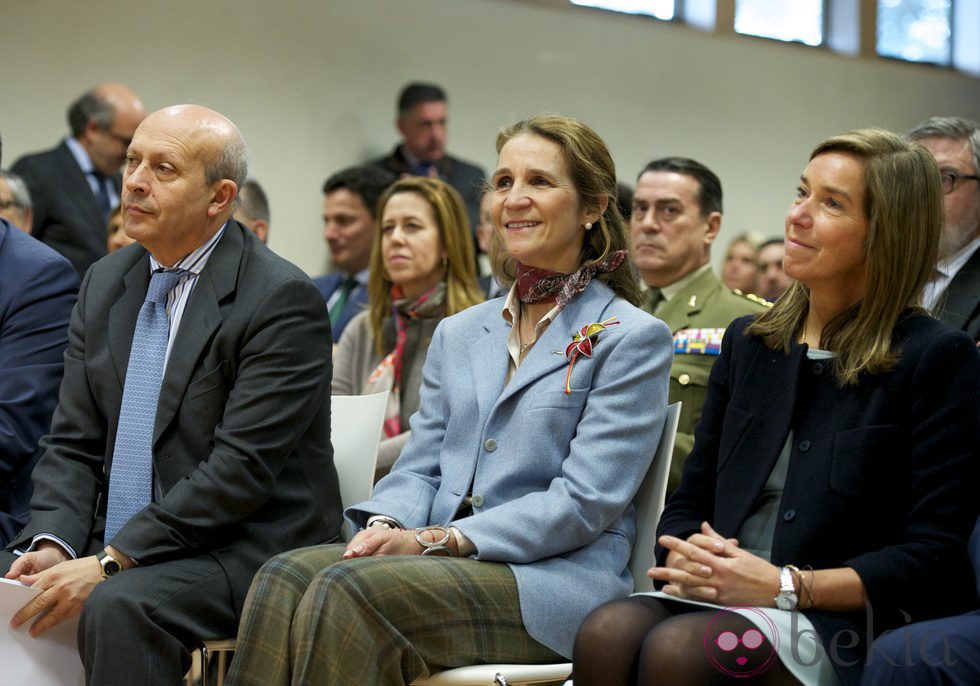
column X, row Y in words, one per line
column 741, row 655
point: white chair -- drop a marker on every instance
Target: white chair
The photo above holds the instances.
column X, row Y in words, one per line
column 649, row 503
column 355, row 431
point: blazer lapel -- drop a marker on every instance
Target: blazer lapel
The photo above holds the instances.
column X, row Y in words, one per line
column 123, row 314
column 549, row 352
column 77, row 186
column 961, row 294
column 200, row 320
column 489, row 370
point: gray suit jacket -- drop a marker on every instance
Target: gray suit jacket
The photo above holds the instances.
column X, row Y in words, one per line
column 241, row 449
column 552, row 474
column 66, row 213
column 960, row 306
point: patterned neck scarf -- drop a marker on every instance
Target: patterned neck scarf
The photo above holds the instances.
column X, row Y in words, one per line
column 535, row 285
column 388, row 374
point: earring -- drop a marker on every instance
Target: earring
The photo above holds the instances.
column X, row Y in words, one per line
column 588, row 226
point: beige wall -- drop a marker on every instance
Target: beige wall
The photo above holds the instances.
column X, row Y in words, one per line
column 312, row 86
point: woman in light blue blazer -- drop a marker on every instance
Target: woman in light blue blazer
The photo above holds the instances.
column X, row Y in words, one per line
column 508, row 516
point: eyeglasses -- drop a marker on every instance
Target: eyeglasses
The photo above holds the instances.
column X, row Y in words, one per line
column 6, row 204
column 952, row 179
column 123, row 140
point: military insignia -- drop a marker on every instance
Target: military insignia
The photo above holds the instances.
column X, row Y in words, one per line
column 698, row 341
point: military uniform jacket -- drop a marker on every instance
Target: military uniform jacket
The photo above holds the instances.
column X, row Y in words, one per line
column 697, row 317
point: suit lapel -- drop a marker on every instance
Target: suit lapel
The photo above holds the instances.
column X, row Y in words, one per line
column 201, row 318
column 689, row 302
column 489, row 370
column 961, row 294
column 77, row 186
column 123, row 314
column 549, row 352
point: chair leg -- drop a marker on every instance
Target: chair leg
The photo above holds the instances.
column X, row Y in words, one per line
column 204, row 665
column 500, row 680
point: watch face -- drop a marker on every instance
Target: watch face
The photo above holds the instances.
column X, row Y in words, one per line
column 111, row 567
column 786, row 601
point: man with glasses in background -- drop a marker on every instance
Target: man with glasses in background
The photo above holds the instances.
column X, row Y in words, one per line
column 75, row 186
column 953, row 293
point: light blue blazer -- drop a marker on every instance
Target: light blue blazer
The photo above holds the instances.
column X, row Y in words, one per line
column 553, row 475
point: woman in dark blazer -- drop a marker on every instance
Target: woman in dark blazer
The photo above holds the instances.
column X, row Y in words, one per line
column 421, row 272
column 832, row 485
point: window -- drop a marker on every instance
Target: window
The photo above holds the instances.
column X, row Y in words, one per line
column 915, row 30
column 801, row 20
column 661, row 9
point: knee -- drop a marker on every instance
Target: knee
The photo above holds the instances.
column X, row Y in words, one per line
column 611, row 623
column 108, row 602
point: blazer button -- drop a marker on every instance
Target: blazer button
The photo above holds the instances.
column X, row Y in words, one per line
column 490, row 445
column 788, row 516
column 684, row 379
column 804, row 446
column 817, row 368
column 477, row 500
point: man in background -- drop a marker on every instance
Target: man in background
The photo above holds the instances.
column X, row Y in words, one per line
column 253, row 209
column 422, row 121
column 676, row 217
column 350, row 201
column 953, row 294
column 15, row 201
column 76, row 185
column 773, row 281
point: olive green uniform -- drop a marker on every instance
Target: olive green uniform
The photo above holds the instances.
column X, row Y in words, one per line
column 704, row 304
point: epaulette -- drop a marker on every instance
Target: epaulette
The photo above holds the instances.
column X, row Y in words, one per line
column 753, row 297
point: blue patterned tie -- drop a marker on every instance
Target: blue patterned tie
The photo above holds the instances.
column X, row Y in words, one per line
column 131, row 478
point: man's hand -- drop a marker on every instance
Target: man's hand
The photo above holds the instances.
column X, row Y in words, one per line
column 65, row 588
column 47, row 555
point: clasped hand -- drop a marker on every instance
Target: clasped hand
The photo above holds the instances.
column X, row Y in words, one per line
column 65, row 586
column 714, row 569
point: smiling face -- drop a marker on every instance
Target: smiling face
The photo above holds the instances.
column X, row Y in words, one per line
column 536, row 206
column 411, row 249
column 826, row 227
column 670, row 236
column 167, row 204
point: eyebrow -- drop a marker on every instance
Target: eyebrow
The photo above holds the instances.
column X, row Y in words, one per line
column 833, row 190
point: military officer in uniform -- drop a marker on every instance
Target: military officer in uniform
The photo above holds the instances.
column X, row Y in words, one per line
column 675, row 219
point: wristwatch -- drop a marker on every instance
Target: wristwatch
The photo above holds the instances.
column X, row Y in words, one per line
column 786, row 600
column 110, row 565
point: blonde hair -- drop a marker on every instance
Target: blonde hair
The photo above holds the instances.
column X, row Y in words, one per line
column 594, row 176
column 904, row 210
column 450, row 215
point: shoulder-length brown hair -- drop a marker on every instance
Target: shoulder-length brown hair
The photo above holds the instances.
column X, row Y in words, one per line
column 594, row 175
column 450, row 214
column 903, row 205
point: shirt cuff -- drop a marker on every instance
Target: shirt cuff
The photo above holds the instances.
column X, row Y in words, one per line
column 463, row 544
column 48, row 537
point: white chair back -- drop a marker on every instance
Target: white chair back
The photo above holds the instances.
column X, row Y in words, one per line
column 649, row 503
column 355, row 431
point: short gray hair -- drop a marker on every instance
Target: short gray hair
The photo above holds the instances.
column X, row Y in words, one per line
column 90, row 107
column 18, row 189
column 954, row 128
column 230, row 162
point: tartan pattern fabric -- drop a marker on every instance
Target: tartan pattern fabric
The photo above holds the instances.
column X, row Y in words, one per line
column 312, row 618
column 131, row 477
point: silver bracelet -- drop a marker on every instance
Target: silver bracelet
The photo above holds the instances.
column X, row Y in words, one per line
column 382, row 522
column 437, row 547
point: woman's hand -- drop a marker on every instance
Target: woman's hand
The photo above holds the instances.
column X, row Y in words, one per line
column 381, row 541
column 711, row 568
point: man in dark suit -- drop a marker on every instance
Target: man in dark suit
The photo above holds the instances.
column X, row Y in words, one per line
column 38, row 288
column 168, row 480
column 75, row 185
column 954, row 292
column 350, row 201
column 422, row 118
